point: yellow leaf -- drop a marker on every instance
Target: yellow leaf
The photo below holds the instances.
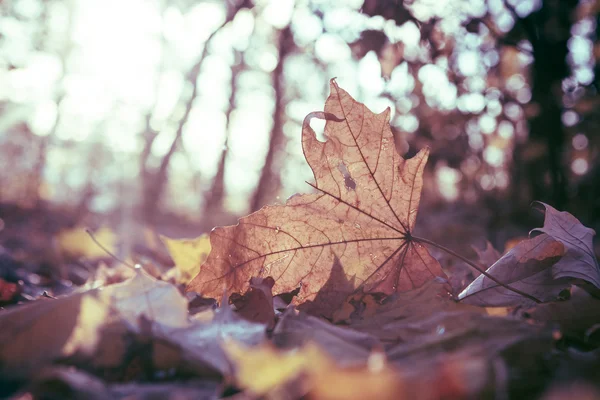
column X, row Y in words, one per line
column 188, row 255
column 76, row 242
column 263, row 369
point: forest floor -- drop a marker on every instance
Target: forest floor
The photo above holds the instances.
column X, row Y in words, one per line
column 76, row 323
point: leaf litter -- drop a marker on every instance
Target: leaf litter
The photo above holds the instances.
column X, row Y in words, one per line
column 329, row 296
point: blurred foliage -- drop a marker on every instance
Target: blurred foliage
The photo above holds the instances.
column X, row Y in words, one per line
column 149, row 109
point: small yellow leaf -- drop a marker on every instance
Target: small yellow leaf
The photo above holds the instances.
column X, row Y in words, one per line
column 188, row 255
column 263, row 370
column 76, row 242
column 497, row 311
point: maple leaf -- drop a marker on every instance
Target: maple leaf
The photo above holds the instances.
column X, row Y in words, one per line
column 361, row 216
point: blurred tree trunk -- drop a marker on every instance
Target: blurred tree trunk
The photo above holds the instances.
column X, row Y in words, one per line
column 213, row 200
column 548, row 30
column 37, row 174
column 269, row 181
column 154, row 182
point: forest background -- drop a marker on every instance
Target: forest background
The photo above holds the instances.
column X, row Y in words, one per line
column 182, row 115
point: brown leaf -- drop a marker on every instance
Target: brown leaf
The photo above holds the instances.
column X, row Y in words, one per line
column 35, row 334
column 257, row 303
column 361, row 217
column 526, row 267
column 41, row 332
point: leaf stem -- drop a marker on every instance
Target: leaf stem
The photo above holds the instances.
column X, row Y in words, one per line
column 91, row 234
column 477, row 267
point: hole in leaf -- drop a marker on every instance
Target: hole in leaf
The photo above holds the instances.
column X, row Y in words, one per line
column 318, row 125
column 348, row 181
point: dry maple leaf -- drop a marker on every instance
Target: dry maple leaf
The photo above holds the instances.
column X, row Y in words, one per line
column 359, row 220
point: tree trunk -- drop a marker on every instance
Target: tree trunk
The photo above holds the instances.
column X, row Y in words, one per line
column 213, row 200
column 156, row 181
column 548, row 30
column 269, row 181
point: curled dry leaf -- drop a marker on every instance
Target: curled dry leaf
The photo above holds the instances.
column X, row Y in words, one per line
column 526, row 267
column 360, row 218
column 579, row 261
column 542, row 266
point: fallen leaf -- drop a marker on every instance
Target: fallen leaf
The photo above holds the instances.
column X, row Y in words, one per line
column 405, row 316
column 76, row 242
column 470, row 333
column 346, row 346
column 526, row 267
column 361, row 217
column 257, row 303
column 70, row 383
column 200, row 342
column 144, row 296
column 66, row 382
column 188, row 255
column 264, row 370
column 104, row 275
column 574, row 316
column 363, row 304
column 579, row 261
column 192, row 390
column 8, row 291
column 35, row 334
column 487, row 256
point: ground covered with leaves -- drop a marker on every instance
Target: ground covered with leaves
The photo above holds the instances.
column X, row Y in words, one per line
column 328, row 296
